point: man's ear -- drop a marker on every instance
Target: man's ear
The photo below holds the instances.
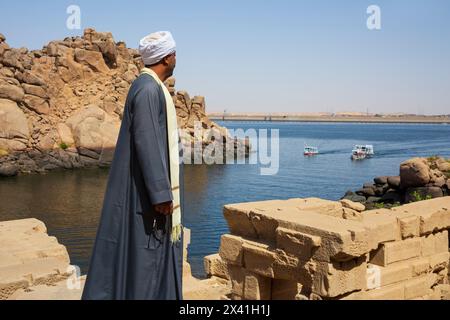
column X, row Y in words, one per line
column 165, row 60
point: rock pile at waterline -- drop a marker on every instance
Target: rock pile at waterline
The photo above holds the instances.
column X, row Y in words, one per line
column 418, row 179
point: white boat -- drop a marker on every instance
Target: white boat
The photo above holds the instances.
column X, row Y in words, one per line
column 361, row 152
column 310, row 151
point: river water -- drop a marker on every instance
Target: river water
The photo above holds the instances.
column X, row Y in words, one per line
column 69, row 202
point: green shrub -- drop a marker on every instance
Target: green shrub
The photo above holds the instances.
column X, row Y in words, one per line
column 379, row 205
column 418, row 197
column 63, row 145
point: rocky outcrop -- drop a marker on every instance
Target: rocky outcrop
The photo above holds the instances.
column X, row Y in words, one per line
column 419, row 179
column 61, row 107
column 311, row 249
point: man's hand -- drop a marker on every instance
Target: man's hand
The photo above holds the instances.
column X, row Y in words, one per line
column 165, row 208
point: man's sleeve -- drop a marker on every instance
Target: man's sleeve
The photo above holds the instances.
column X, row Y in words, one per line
column 148, row 144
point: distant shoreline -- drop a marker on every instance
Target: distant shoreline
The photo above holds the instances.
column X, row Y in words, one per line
column 412, row 119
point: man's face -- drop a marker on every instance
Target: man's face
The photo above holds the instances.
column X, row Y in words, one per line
column 171, row 63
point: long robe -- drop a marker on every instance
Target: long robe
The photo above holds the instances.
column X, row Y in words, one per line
column 133, row 257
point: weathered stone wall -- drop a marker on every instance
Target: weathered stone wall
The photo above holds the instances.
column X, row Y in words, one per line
column 34, row 266
column 29, row 257
column 292, row 249
column 61, row 107
column 318, row 249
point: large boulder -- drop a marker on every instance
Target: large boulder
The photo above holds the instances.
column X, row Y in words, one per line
column 394, row 182
column 92, row 59
column 12, row 145
column 11, row 91
column 443, row 165
column 11, row 59
column 3, row 48
column 184, row 100
column 13, row 123
column 198, row 104
column 381, row 180
column 68, row 69
column 30, row 78
column 8, row 170
column 414, row 173
column 35, row 90
column 392, row 197
column 37, row 104
column 49, row 141
column 109, row 51
column 367, row 192
column 65, row 134
column 439, row 182
column 91, row 111
column 95, row 133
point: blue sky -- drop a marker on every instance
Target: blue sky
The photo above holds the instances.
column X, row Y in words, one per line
column 275, row 56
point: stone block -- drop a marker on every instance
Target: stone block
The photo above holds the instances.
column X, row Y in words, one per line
column 248, row 285
column 350, row 214
column 441, row 242
column 384, row 276
column 391, row 292
column 434, row 243
column 237, row 276
column 259, row 259
column 257, row 287
column 341, row 239
column 381, row 227
column 420, row 266
column 263, row 224
column 409, row 226
column 439, row 261
column 352, row 205
column 391, row 252
column 428, row 245
column 231, row 249
column 216, row 267
column 417, row 287
column 434, row 214
column 276, row 264
column 335, row 279
column 285, row 289
column 237, row 217
column 298, row 244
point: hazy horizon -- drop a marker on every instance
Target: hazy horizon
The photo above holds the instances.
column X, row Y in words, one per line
column 275, row 56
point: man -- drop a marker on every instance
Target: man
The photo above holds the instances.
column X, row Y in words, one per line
column 138, row 250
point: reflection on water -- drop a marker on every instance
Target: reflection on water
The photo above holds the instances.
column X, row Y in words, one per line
column 69, row 202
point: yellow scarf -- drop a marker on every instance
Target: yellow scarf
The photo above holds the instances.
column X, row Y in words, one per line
column 174, row 156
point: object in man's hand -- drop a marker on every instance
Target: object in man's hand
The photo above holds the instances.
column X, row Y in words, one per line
column 164, row 208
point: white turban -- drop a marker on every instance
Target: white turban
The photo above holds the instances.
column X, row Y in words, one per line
column 154, row 47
